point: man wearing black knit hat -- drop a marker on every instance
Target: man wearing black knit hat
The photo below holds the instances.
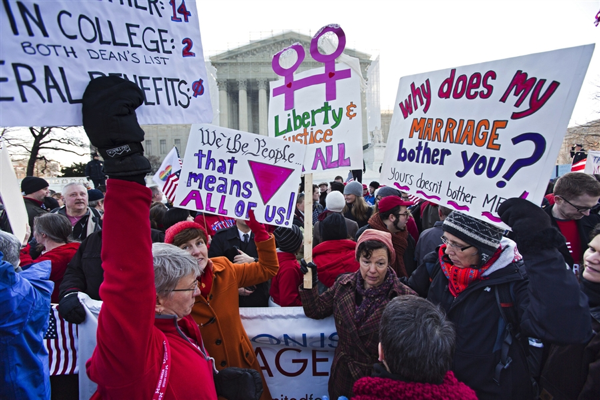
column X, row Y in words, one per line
column 499, row 297
column 34, row 191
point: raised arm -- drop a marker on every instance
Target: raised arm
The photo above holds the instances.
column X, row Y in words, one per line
column 552, row 306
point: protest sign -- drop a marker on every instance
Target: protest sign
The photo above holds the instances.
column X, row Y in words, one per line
column 592, row 165
column 471, row 137
column 50, row 50
column 228, row 172
column 294, row 351
column 10, row 192
column 320, row 108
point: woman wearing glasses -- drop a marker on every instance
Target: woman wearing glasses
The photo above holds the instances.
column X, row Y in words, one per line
column 148, row 346
column 216, row 308
column 486, row 286
column 356, row 300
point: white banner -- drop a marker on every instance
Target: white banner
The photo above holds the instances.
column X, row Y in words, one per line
column 294, row 351
column 592, row 164
column 10, row 190
column 320, row 108
column 228, row 172
column 471, row 137
column 50, row 50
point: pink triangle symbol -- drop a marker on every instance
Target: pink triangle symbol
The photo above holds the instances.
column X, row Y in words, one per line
column 269, row 178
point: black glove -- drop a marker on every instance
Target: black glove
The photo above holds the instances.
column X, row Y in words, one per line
column 238, row 384
column 531, row 225
column 304, row 269
column 109, row 120
column 71, row 309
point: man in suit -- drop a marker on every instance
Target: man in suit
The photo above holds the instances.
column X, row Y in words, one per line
column 237, row 244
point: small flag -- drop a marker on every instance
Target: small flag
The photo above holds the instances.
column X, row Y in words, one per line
column 171, row 186
column 579, row 167
column 61, row 342
column 167, row 176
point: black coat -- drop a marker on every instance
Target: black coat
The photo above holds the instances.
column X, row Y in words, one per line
column 84, row 272
column 223, row 245
column 549, row 306
column 94, row 169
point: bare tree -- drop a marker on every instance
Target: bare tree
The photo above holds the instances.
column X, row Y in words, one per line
column 42, row 143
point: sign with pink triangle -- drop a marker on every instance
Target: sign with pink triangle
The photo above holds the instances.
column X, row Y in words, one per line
column 228, row 172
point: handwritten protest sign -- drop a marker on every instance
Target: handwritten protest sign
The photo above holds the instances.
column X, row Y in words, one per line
column 471, row 137
column 50, row 50
column 319, row 108
column 592, row 165
column 228, row 172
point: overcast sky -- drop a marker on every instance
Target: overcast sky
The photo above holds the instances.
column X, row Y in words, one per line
column 421, row 35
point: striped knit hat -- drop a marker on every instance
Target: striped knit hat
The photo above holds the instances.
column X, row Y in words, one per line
column 288, row 240
column 485, row 237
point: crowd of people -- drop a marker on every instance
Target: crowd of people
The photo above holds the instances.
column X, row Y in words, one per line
column 428, row 303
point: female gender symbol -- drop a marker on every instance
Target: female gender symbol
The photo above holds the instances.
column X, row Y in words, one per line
column 329, row 77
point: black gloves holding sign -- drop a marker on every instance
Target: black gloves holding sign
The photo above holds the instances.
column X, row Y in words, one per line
column 109, row 119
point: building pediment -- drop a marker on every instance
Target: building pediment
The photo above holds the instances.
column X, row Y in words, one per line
column 262, row 51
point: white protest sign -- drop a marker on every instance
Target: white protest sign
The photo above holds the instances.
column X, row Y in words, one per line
column 471, row 137
column 50, row 50
column 320, row 108
column 592, row 164
column 11, row 195
column 227, row 172
column 294, row 351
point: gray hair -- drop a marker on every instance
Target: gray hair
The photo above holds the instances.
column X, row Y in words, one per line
column 68, row 185
column 417, row 339
column 56, row 226
column 10, row 246
column 170, row 265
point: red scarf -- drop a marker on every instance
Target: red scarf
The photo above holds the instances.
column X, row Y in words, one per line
column 460, row 278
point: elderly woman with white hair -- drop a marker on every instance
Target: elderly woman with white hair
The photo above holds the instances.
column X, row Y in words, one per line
column 148, row 346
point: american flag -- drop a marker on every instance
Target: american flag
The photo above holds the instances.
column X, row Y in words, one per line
column 61, row 342
column 579, row 167
column 171, row 186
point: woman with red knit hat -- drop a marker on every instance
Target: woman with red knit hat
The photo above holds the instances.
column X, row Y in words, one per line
column 216, row 310
column 356, row 300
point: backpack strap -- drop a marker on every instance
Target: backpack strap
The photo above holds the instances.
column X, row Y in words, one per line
column 508, row 313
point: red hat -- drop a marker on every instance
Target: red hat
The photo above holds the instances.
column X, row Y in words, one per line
column 389, row 202
column 180, row 226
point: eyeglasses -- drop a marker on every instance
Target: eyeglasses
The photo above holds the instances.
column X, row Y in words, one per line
column 404, row 214
column 578, row 208
column 192, row 289
column 454, row 245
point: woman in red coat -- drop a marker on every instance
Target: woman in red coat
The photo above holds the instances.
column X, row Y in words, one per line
column 52, row 232
column 336, row 254
column 284, row 286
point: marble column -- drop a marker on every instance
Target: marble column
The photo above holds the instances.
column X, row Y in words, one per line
column 243, row 105
column 223, row 105
column 262, row 107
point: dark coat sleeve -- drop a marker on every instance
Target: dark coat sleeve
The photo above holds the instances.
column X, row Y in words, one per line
column 84, row 272
column 420, row 280
column 551, row 305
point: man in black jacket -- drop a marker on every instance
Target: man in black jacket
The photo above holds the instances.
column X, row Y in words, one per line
column 575, row 214
column 34, row 191
column 95, row 172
